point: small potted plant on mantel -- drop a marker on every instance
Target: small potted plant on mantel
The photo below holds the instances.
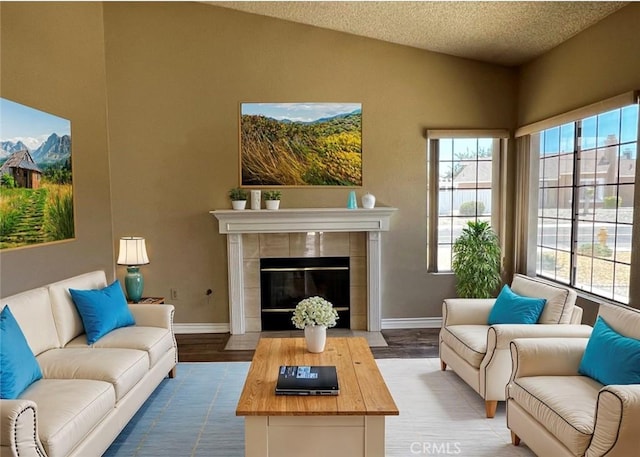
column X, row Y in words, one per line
column 238, row 198
column 272, row 199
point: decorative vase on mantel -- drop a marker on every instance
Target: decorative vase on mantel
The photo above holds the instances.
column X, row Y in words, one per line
column 368, row 201
column 316, row 337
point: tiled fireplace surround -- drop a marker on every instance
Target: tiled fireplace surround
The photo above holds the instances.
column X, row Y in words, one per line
column 307, row 244
column 304, row 232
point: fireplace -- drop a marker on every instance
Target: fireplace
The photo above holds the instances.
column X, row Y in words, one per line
column 289, row 227
column 286, row 281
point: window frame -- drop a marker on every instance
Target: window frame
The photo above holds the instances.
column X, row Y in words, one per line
column 578, row 186
column 500, row 137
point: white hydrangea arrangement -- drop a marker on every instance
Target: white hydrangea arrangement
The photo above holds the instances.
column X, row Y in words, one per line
column 314, row 311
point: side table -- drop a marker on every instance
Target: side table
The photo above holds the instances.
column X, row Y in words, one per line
column 149, row 301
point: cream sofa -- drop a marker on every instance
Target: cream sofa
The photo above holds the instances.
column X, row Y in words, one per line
column 87, row 393
column 558, row 412
column 479, row 353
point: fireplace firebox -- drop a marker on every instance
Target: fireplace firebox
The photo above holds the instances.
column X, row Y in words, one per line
column 286, row 281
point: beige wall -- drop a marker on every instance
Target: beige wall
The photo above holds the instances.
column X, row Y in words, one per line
column 601, row 62
column 594, row 65
column 53, row 60
column 176, row 74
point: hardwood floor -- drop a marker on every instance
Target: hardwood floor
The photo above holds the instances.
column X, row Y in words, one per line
column 208, row 347
column 405, row 343
column 408, row 344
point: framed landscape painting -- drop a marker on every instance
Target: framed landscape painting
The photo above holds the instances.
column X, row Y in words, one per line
column 301, row 144
column 36, row 185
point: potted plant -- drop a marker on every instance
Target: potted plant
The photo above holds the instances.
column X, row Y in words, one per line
column 314, row 315
column 238, row 198
column 272, row 199
column 476, row 261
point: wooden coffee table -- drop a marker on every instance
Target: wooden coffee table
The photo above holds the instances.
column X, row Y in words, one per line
column 350, row 424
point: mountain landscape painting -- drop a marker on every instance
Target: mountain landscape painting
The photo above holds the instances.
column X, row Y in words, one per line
column 301, row 144
column 36, row 185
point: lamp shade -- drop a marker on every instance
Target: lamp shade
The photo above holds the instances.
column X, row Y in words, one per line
column 133, row 251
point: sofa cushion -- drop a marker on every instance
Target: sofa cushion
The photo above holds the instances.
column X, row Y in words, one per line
column 102, row 310
column 511, row 308
column 18, row 366
column 122, row 368
column 68, row 409
column 564, row 405
column 611, row 358
column 560, row 300
column 155, row 341
column 468, row 341
column 67, row 320
column 32, row 310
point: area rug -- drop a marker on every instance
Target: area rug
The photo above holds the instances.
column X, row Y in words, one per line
column 193, row 415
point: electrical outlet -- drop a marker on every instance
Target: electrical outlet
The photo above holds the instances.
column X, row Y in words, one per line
column 174, row 294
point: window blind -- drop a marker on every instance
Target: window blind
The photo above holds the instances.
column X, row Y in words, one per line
column 628, row 98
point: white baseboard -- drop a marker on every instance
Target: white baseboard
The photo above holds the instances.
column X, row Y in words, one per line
column 387, row 324
column 201, row 328
column 416, row 322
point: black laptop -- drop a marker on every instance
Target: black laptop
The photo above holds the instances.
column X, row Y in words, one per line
column 307, row 380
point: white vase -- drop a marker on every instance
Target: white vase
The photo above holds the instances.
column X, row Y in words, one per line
column 255, row 199
column 368, row 201
column 238, row 204
column 316, row 337
column 272, row 204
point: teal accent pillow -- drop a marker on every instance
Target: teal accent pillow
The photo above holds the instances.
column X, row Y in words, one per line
column 511, row 308
column 18, row 366
column 611, row 358
column 102, row 310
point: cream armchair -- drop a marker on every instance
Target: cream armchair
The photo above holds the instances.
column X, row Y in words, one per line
column 479, row 353
column 558, row 412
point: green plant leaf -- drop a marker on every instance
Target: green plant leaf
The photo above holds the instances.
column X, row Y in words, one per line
column 476, row 261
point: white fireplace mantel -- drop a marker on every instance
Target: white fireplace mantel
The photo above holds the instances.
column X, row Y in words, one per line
column 304, row 220
column 234, row 223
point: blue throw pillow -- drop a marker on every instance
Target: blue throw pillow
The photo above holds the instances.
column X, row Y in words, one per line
column 18, row 366
column 102, row 310
column 511, row 308
column 611, row 358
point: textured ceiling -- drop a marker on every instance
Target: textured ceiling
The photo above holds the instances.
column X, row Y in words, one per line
column 507, row 33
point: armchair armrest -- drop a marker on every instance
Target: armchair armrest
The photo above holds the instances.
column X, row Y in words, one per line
column 466, row 311
column 500, row 335
column 497, row 365
column 18, row 429
column 153, row 315
column 617, row 424
column 546, row 356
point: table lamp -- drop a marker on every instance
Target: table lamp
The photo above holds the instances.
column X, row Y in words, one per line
column 133, row 253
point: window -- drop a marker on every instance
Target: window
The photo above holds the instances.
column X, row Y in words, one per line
column 586, row 185
column 465, row 167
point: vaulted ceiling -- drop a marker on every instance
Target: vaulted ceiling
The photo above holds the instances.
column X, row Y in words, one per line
column 506, row 33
